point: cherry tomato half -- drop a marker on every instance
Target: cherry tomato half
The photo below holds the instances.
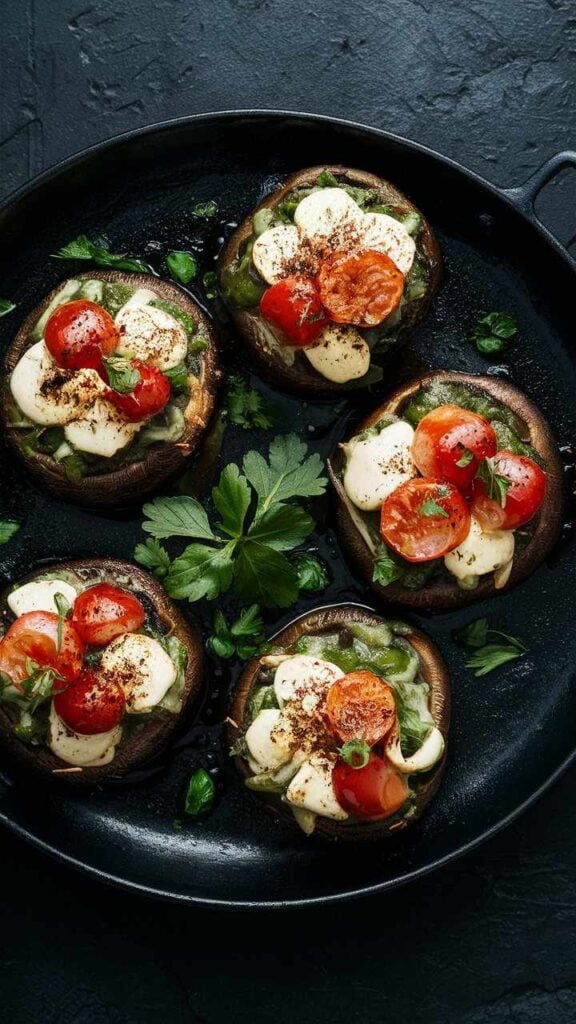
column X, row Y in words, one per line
column 294, row 306
column 361, row 289
column 104, row 612
column 524, row 494
column 34, row 637
column 375, row 791
column 149, row 396
column 360, row 706
column 91, row 705
column 424, row 519
column 79, row 334
column 449, row 443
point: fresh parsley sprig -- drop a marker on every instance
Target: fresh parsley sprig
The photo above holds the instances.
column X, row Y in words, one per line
column 496, row 484
column 487, row 654
column 242, row 639
column 98, row 251
column 311, row 571
column 259, row 521
column 245, row 407
column 153, row 556
column 492, row 332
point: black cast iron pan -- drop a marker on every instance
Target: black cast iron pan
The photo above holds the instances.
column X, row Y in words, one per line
column 513, row 731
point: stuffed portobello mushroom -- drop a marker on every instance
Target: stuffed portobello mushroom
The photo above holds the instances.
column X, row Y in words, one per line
column 326, row 275
column 110, row 384
column 97, row 667
column 450, row 491
column 343, row 723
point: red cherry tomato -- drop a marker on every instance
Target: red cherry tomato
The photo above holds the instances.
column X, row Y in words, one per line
column 104, row 612
column 524, row 494
column 449, row 443
column 79, row 334
column 91, row 705
column 294, row 306
column 34, row 637
column 424, row 519
column 149, row 396
column 361, row 289
column 360, row 706
column 375, row 791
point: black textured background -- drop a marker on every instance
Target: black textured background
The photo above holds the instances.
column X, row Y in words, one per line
column 492, row 938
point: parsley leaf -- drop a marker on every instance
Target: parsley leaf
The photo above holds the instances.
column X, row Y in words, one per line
column 287, row 474
column 247, row 408
column 282, row 527
column 153, row 556
column 243, row 639
column 209, row 209
column 200, row 794
column 201, row 571
column 493, row 331
column 177, row 517
column 232, row 499
column 98, row 251
column 122, row 376
column 8, row 527
column 475, row 634
column 492, row 656
column 488, row 655
column 465, row 459
column 182, row 266
column 430, row 507
column 6, row 306
column 312, row 573
column 386, row 568
column 264, row 575
column 496, row 484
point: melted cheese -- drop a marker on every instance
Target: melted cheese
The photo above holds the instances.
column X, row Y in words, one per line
column 305, row 679
column 312, row 789
column 269, row 740
column 385, row 234
column 149, row 333
column 423, row 759
column 38, row 596
column 341, row 355
column 377, row 465
column 49, row 395
column 482, row 552
column 101, row 430
column 274, row 250
column 328, row 215
column 81, row 750
column 141, row 666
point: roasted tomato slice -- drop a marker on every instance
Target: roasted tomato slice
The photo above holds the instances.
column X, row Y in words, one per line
column 294, row 306
column 360, row 706
column 362, row 289
column 375, row 791
column 91, row 705
column 79, row 334
column 449, row 443
column 104, row 612
column 33, row 637
column 150, row 394
column 516, row 500
column 424, row 519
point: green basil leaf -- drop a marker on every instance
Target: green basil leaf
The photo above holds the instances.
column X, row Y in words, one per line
column 182, row 266
column 122, row 376
column 200, row 794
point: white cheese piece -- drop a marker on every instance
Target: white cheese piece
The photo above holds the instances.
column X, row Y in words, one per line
column 377, row 465
column 141, row 666
column 269, row 740
column 305, row 679
column 101, row 430
column 80, row 750
column 274, row 250
column 341, row 354
column 385, row 234
column 482, row 551
column 312, row 789
column 141, row 297
column 49, row 395
column 329, row 215
column 423, row 759
column 150, row 334
column 38, row 596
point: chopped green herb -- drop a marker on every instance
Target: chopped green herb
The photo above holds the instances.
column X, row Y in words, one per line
column 386, row 569
column 247, row 408
column 488, row 655
column 182, row 266
column 178, row 377
column 312, row 573
column 6, row 306
column 198, row 344
column 122, row 376
column 243, row 638
column 200, row 794
column 209, row 209
column 356, row 753
column 496, row 484
column 326, row 180
column 210, row 282
column 8, row 527
column 493, row 331
column 62, row 607
column 153, row 556
column 465, row 459
column 430, row 507
column 98, row 251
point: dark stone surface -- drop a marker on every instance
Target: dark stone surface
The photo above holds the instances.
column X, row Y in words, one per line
column 491, row 939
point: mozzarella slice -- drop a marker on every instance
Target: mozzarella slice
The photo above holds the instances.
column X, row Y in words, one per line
column 423, row 759
column 274, row 252
column 150, row 334
column 79, row 750
column 312, row 789
column 269, row 740
column 482, row 552
column 305, row 679
column 377, row 465
column 385, row 234
column 101, row 430
column 49, row 395
column 341, row 355
column 38, row 596
column 141, row 666
column 329, row 215
column 141, row 297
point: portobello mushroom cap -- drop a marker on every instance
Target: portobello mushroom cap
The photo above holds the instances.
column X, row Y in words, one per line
column 434, row 672
column 248, row 321
column 442, row 593
column 153, row 737
column 129, row 482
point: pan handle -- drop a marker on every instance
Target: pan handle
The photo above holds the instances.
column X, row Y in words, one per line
column 524, row 196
